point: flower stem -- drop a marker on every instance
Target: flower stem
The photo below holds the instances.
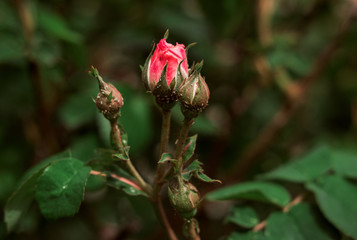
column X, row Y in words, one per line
column 187, row 122
column 118, row 145
column 161, row 212
column 165, row 131
column 158, row 182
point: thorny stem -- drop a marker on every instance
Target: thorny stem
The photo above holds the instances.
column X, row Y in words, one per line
column 158, row 182
column 118, row 145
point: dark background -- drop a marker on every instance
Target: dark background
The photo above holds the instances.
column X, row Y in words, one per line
column 282, row 76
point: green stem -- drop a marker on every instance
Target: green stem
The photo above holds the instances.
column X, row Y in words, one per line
column 165, row 131
column 158, row 182
column 187, row 122
column 118, row 145
column 161, row 212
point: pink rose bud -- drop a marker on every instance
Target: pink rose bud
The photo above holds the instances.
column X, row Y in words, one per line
column 194, row 93
column 165, row 53
column 109, row 100
column 164, row 71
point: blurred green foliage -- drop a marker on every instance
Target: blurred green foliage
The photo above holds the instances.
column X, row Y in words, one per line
column 46, row 48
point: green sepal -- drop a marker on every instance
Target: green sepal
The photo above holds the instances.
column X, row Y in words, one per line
column 165, row 97
column 189, row 46
column 178, row 79
column 166, row 35
column 144, row 71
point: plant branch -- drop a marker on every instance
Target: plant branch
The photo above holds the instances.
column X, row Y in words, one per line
column 165, row 131
column 296, row 94
column 161, row 211
column 158, row 181
column 118, row 145
column 187, row 122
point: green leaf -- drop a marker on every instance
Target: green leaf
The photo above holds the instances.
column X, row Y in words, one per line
column 196, row 170
column 166, row 157
column 126, row 184
column 336, row 198
column 44, row 163
column 300, row 223
column 121, row 156
column 345, row 163
column 20, row 201
column 260, row 191
column 308, row 167
column 190, row 169
column 247, row 236
column 243, row 216
column 60, row 189
column 203, row 177
column 189, row 149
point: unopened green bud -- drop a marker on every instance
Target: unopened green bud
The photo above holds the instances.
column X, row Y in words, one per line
column 194, row 94
column 184, row 198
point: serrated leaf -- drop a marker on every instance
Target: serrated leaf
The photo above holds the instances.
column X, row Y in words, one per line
column 260, row 191
column 60, row 189
column 189, row 149
column 306, row 168
column 336, row 198
column 243, row 216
